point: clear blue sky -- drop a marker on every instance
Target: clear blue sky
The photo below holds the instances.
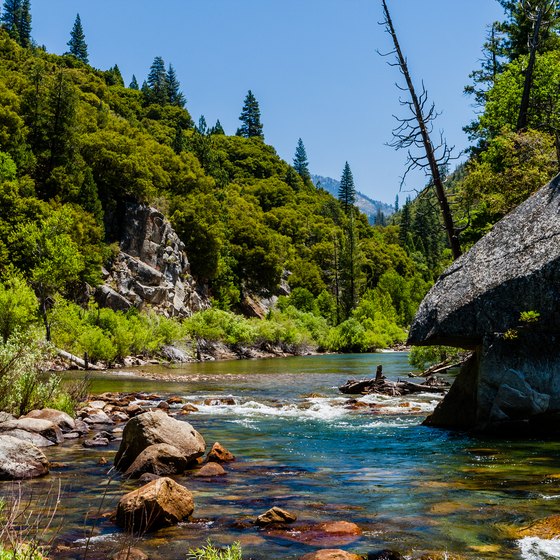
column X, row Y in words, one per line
column 312, row 65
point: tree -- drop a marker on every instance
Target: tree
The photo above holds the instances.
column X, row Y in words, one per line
column 217, row 128
column 134, row 83
column 174, row 94
column 11, row 18
column 88, row 197
column 77, row 42
column 25, row 24
column 301, row 164
column 251, row 118
column 414, row 132
column 202, row 127
column 156, row 83
column 347, row 191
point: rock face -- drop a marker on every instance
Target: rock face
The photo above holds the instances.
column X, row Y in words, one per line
column 159, row 503
column 20, row 459
column 156, row 427
column 151, row 268
column 510, row 383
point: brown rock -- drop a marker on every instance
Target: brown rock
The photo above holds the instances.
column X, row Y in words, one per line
column 161, row 459
column 133, row 410
column 340, row 528
column 229, row 401
column 547, row 528
column 131, row 554
column 44, row 428
column 64, row 421
column 174, row 400
column 331, row 554
column 220, row 454
column 159, row 503
column 20, row 459
column 274, row 516
column 189, row 408
column 210, row 469
column 163, row 405
column 156, row 427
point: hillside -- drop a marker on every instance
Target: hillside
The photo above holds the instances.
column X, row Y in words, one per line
column 369, row 207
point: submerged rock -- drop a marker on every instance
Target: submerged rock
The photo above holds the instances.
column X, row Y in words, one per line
column 210, row 470
column 274, row 516
column 156, row 427
column 159, row 503
column 20, row 459
column 511, row 382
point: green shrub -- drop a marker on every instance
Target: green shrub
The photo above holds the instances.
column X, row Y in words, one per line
column 422, row 357
column 210, row 552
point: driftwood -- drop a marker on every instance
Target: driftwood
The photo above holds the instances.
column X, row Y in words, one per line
column 393, row 388
column 442, row 367
column 75, row 360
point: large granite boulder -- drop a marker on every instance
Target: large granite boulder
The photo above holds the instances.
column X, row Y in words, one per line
column 156, row 427
column 40, row 432
column 20, row 459
column 151, row 269
column 478, row 302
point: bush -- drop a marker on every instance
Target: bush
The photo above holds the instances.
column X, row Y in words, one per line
column 210, row 552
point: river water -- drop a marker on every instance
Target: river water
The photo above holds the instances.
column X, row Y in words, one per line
column 298, row 445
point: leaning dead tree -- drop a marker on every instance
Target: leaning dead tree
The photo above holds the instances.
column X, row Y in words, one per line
column 413, row 133
column 541, row 13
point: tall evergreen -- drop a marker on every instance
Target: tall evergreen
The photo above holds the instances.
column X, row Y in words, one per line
column 77, row 43
column 11, row 18
column 134, row 83
column 25, row 24
column 202, row 126
column 301, row 164
column 347, row 190
column 156, row 83
column 217, row 128
column 250, row 118
column 174, row 93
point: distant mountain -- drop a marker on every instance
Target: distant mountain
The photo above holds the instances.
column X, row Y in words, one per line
column 368, row 206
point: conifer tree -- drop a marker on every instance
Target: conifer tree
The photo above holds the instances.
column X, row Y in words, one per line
column 156, row 86
column 202, row 126
column 174, row 94
column 217, row 128
column 347, row 191
column 25, row 24
column 88, row 197
column 11, row 18
column 251, row 118
column 134, row 83
column 77, row 43
column 301, row 164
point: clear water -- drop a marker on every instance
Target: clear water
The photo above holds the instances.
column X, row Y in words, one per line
column 410, row 488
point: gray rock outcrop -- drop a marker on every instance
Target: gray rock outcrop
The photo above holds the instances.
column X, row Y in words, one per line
column 511, row 381
column 151, row 269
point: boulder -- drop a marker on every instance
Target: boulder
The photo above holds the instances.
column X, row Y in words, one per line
column 159, row 503
column 210, row 470
column 331, row 554
column 219, row 454
column 275, row 515
column 20, row 459
column 156, row 427
column 477, row 303
column 63, row 420
column 161, row 459
column 130, row 554
column 40, row 432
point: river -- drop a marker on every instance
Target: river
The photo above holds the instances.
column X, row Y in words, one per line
column 410, row 488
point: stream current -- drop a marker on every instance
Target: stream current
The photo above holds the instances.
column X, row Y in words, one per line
column 410, row 488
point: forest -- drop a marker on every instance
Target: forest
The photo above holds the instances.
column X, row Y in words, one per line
column 77, row 144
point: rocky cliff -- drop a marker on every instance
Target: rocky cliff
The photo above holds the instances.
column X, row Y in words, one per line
column 513, row 380
column 151, row 268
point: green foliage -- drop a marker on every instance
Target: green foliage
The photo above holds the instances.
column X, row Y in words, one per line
column 529, row 317
column 77, row 43
column 347, row 190
column 301, row 164
column 211, row 552
column 18, row 306
column 250, row 118
column 422, row 357
column 22, row 551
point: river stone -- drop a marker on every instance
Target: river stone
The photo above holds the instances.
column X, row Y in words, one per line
column 159, row 503
column 35, row 426
column 331, row 554
column 219, row 454
column 131, row 554
column 210, row 470
column 63, row 420
column 511, row 382
column 20, row 459
column 161, row 459
column 275, row 515
column 156, row 427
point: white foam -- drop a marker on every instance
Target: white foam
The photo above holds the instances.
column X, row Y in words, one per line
column 533, row 548
column 552, row 497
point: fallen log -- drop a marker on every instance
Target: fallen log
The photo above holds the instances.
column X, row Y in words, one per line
column 393, row 388
column 77, row 361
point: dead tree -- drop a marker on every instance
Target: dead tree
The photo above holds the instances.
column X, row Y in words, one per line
column 413, row 133
column 540, row 12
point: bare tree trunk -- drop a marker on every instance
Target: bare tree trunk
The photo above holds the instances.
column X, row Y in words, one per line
column 432, row 161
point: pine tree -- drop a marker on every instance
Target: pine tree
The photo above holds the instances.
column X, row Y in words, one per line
column 202, row 126
column 77, row 43
column 25, row 24
column 301, row 164
column 156, row 86
column 251, row 118
column 347, row 191
column 217, row 128
column 88, row 197
column 174, row 94
column 134, row 83
column 11, row 18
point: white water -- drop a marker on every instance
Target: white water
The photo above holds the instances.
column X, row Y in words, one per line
column 533, row 548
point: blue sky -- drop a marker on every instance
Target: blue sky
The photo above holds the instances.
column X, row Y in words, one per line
column 312, row 65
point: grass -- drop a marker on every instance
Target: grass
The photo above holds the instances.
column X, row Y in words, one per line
column 210, row 552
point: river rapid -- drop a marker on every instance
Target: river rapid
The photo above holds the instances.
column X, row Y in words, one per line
column 299, row 446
